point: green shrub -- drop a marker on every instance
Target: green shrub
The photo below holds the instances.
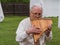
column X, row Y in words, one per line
column 16, row 1
column 7, row 1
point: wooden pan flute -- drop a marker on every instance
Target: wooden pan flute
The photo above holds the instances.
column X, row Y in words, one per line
column 41, row 23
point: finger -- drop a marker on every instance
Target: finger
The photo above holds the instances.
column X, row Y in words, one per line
column 50, row 27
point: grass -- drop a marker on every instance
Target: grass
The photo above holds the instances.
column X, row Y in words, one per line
column 56, row 33
column 8, row 30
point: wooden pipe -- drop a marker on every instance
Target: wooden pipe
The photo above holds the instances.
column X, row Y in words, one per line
column 41, row 23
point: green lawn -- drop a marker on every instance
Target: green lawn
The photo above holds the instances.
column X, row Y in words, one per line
column 8, row 28
column 9, row 25
column 56, row 33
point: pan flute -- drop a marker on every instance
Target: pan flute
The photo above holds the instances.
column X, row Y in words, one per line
column 43, row 24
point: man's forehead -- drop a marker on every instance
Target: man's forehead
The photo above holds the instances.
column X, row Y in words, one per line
column 36, row 8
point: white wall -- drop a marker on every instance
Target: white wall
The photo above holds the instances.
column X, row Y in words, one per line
column 59, row 16
column 1, row 14
column 51, row 8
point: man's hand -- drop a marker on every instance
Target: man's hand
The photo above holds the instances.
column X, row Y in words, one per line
column 33, row 30
column 47, row 32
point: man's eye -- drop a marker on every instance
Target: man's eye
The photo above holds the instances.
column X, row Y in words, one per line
column 39, row 13
column 35, row 13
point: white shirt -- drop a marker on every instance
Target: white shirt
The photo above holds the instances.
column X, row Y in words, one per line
column 23, row 38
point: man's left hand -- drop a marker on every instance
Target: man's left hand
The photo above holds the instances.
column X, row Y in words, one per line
column 47, row 32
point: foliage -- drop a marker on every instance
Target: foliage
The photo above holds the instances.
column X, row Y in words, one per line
column 15, row 1
column 8, row 30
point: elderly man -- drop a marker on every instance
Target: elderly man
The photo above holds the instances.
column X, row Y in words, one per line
column 25, row 31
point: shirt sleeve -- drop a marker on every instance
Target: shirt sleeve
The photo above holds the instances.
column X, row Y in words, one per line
column 50, row 36
column 21, row 32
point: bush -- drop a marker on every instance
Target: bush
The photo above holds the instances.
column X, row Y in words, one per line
column 7, row 1
column 16, row 1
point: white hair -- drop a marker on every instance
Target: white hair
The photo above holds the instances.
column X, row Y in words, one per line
column 37, row 5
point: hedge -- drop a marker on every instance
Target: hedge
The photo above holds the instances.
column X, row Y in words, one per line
column 16, row 1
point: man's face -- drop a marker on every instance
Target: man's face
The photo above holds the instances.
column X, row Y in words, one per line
column 36, row 13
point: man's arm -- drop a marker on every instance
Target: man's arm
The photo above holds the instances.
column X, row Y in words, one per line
column 21, row 32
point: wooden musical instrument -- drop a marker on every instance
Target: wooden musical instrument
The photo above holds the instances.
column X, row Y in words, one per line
column 41, row 23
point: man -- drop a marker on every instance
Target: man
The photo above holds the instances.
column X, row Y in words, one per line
column 25, row 31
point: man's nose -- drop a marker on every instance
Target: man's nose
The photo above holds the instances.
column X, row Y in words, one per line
column 38, row 15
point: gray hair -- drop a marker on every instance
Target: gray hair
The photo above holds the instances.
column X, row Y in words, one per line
column 36, row 5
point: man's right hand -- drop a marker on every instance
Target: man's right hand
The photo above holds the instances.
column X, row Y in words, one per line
column 33, row 30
